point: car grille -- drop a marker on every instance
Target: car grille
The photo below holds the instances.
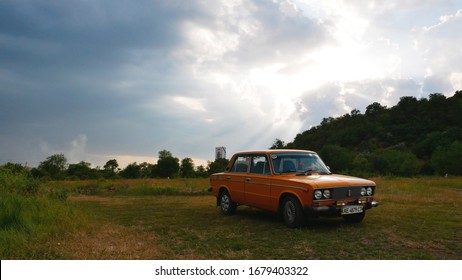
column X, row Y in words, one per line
column 347, row 192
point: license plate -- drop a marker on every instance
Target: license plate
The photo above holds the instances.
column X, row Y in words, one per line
column 352, row 209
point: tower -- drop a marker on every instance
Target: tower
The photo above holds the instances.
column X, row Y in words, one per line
column 220, row 152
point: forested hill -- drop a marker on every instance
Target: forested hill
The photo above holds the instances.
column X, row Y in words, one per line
column 413, row 137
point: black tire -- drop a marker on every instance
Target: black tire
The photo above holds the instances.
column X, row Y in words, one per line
column 355, row 218
column 292, row 212
column 227, row 205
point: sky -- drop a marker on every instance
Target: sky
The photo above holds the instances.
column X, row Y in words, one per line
column 103, row 79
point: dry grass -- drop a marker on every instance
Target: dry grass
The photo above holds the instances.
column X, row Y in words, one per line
column 109, row 241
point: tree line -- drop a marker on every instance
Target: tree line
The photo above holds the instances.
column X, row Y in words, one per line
column 56, row 167
column 415, row 137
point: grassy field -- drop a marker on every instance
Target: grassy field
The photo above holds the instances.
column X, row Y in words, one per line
column 177, row 219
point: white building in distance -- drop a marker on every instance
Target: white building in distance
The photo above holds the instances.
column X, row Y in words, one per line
column 220, row 152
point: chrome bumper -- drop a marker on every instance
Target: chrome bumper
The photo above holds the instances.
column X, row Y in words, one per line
column 332, row 210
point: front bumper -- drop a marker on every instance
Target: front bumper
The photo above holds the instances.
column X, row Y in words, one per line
column 333, row 210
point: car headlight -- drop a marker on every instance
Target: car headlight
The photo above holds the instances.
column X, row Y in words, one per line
column 363, row 191
column 317, row 194
column 369, row 191
column 326, row 194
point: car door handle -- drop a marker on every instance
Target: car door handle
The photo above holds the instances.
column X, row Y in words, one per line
column 228, row 177
column 248, row 179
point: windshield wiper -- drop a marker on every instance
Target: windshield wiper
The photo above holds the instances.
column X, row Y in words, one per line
column 311, row 172
column 307, row 172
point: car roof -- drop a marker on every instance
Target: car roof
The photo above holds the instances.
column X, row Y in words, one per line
column 274, row 151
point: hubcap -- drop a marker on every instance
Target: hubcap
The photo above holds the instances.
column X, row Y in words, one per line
column 224, row 202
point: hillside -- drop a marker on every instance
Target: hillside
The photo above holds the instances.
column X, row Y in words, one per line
column 413, row 137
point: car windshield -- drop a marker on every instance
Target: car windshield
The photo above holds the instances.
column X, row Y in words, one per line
column 301, row 163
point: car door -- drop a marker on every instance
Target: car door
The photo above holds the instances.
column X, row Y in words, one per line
column 236, row 176
column 258, row 183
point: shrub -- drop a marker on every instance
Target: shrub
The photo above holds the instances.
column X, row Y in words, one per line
column 18, row 181
column 29, row 218
column 447, row 159
column 397, row 163
column 12, row 214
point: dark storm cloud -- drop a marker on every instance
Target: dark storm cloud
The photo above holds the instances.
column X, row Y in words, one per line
column 63, row 65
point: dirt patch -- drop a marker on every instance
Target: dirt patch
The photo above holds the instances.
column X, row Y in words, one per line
column 113, row 242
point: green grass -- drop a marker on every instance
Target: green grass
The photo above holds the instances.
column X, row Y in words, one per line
column 30, row 219
column 137, row 219
column 133, row 187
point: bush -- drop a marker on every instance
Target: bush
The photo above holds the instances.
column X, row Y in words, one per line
column 29, row 218
column 12, row 214
column 397, row 163
column 339, row 159
column 447, row 160
column 18, row 181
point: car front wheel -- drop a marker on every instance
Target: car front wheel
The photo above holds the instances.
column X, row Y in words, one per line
column 227, row 205
column 292, row 212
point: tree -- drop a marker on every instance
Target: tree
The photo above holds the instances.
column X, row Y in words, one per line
column 54, row 166
column 81, row 170
column 375, row 109
column 397, row 162
column 146, row 170
column 278, row 144
column 165, row 154
column 167, row 165
column 201, row 172
column 110, row 167
column 216, row 166
column 458, row 94
column 355, row 112
column 132, row 171
column 187, row 168
column 338, row 158
column 447, row 159
column 16, row 168
column 407, row 103
column 360, row 166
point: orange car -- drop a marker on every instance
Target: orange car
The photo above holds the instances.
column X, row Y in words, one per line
column 294, row 183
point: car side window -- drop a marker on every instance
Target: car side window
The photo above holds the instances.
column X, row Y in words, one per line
column 260, row 165
column 241, row 164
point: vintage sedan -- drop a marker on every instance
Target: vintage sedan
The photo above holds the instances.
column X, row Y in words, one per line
column 295, row 183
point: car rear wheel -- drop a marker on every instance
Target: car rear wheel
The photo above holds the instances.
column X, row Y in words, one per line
column 354, row 218
column 227, row 205
column 292, row 212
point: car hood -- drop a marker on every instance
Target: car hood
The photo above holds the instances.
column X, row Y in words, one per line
column 332, row 180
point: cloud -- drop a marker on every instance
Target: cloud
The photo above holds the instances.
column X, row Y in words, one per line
column 101, row 79
column 190, row 103
column 441, row 52
column 77, row 151
column 337, row 99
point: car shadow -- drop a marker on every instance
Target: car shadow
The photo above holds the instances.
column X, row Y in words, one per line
column 255, row 215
